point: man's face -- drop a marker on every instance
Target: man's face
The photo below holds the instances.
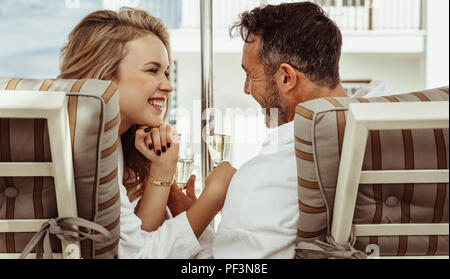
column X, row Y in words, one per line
column 262, row 88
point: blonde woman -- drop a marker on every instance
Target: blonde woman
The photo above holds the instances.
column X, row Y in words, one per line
column 131, row 48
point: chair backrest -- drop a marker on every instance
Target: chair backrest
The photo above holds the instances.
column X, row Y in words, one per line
column 93, row 116
column 52, row 107
column 320, row 126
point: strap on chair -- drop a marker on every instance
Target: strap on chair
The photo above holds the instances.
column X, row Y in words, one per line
column 330, row 249
column 57, row 226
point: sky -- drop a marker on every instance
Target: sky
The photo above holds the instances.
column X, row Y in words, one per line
column 32, row 32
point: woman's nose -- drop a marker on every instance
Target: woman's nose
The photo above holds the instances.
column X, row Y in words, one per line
column 166, row 85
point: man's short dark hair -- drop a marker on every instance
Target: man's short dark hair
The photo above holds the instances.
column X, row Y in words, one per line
column 300, row 34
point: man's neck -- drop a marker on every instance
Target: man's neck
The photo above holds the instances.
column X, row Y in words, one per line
column 314, row 92
column 322, row 92
column 338, row 91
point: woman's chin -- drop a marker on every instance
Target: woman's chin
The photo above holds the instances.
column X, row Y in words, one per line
column 152, row 117
column 154, row 122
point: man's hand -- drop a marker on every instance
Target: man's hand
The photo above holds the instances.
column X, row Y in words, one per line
column 178, row 201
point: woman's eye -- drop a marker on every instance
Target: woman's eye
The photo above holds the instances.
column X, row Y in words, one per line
column 152, row 70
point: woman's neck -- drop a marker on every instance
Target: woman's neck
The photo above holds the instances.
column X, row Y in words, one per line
column 124, row 125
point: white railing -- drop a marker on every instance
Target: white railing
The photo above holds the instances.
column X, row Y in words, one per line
column 397, row 14
column 348, row 14
column 225, row 13
column 374, row 14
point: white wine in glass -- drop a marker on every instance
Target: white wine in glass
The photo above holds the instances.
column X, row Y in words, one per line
column 183, row 172
column 219, row 147
column 185, row 164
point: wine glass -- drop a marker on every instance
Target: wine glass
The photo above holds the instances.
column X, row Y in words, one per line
column 219, row 147
column 185, row 164
column 219, row 139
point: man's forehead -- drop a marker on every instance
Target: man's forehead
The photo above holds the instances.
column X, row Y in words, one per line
column 252, row 41
column 250, row 50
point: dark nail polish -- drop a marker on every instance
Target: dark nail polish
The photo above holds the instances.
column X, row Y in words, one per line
column 150, row 146
column 158, row 152
column 168, row 145
column 164, row 149
column 148, row 129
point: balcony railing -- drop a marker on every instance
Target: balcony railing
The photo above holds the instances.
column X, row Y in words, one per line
column 374, row 14
column 348, row 14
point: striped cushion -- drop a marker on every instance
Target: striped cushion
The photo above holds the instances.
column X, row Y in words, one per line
column 319, row 133
column 93, row 108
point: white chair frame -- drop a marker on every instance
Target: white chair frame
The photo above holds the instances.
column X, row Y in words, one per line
column 363, row 117
column 53, row 107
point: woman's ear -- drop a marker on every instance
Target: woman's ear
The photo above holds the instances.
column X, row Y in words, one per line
column 286, row 78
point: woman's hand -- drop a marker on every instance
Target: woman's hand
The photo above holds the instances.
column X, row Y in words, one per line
column 178, row 201
column 160, row 146
column 217, row 184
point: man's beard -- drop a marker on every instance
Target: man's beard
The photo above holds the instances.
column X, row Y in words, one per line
column 275, row 113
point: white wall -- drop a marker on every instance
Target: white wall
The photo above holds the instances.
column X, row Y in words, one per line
column 228, row 80
column 437, row 43
column 401, row 72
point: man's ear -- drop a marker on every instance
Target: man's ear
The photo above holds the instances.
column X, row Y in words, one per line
column 286, row 78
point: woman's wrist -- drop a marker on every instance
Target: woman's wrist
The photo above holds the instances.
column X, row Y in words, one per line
column 152, row 207
column 162, row 172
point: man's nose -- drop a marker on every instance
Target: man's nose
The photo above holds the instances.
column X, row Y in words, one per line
column 246, row 87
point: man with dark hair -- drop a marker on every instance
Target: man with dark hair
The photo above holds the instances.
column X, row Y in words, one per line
column 290, row 55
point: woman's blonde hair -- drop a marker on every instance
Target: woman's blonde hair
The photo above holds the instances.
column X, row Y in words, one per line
column 94, row 50
column 96, row 45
